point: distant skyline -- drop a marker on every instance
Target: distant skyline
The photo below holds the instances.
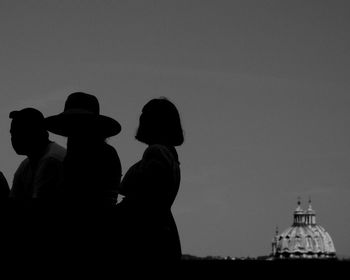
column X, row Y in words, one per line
column 262, row 88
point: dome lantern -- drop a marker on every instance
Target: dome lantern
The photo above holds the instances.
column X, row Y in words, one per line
column 299, row 217
column 310, row 215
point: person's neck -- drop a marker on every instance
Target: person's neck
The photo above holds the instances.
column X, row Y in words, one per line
column 39, row 150
column 80, row 143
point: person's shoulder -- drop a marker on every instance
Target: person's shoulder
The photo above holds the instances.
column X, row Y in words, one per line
column 3, row 180
column 24, row 163
column 155, row 149
column 56, row 151
column 109, row 148
column 158, row 151
column 109, row 152
column 22, row 167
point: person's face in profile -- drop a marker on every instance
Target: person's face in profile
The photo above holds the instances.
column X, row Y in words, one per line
column 149, row 127
column 21, row 137
column 143, row 128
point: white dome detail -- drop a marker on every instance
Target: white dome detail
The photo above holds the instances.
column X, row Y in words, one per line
column 304, row 239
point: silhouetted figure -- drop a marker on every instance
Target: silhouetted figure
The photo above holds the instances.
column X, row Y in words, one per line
column 35, row 182
column 40, row 174
column 150, row 186
column 92, row 174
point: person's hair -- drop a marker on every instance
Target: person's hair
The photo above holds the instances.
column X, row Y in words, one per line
column 160, row 123
column 30, row 120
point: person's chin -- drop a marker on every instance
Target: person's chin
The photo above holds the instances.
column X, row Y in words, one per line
column 20, row 152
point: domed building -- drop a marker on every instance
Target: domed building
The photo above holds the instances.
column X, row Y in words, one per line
column 304, row 239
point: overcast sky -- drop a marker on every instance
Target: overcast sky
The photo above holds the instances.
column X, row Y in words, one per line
column 262, row 87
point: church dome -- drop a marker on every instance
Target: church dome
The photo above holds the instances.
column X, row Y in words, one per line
column 304, row 239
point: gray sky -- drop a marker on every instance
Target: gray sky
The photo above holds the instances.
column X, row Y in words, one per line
column 262, row 88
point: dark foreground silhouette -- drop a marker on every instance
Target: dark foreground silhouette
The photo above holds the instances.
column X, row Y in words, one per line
column 87, row 219
column 150, row 186
column 39, row 175
column 69, row 213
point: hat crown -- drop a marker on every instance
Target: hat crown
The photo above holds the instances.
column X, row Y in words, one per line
column 82, row 101
column 82, row 113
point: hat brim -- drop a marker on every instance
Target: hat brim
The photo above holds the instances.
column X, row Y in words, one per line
column 68, row 124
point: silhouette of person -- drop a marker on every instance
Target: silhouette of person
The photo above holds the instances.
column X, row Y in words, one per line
column 92, row 172
column 150, row 186
column 92, row 168
column 40, row 173
column 35, row 182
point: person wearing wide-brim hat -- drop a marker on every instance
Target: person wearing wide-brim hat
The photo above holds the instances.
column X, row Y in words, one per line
column 92, row 175
column 92, row 167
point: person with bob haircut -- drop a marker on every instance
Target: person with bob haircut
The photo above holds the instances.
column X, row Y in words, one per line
column 151, row 185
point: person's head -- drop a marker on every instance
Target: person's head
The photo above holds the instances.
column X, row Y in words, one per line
column 28, row 132
column 160, row 124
